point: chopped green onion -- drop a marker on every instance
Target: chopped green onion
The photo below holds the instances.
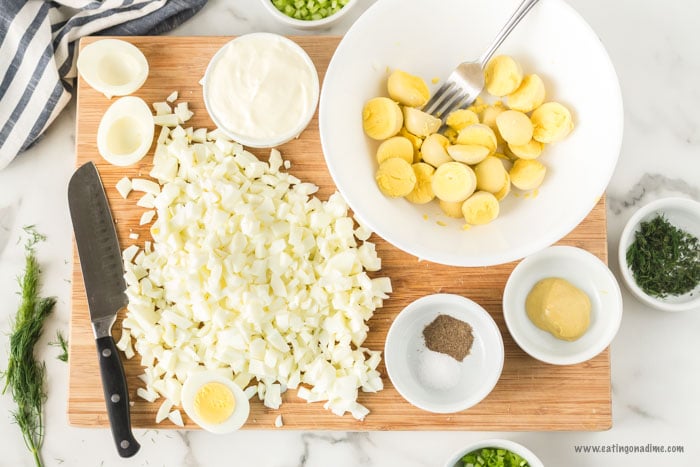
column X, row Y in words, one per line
column 493, row 457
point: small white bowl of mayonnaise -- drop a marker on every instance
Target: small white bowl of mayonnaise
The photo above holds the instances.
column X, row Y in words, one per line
column 261, row 89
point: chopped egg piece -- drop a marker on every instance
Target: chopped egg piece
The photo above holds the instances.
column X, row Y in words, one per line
column 146, row 201
column 162, row 108
column 124, row 187
column 147, row 217
column 176, row 417
column 144, row 185
column 164, row 410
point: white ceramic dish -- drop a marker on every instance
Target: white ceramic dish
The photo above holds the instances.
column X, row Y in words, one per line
column 408, row 361
column 585, row 271
column 430, row 40
column 308, row 24
column 274, row 43
column 683, row 213
column 519, row 449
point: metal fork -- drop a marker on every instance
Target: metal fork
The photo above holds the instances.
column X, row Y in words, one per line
column 466, row 82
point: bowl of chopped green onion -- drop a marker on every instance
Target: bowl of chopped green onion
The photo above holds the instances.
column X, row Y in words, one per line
column 308, row 14
column 659, row 254
column 494, row 453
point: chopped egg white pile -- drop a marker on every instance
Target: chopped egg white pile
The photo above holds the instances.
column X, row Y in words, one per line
column 250, row 275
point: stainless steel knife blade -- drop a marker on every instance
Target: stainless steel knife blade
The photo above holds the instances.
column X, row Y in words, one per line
column 101, row 263
column 98, row 247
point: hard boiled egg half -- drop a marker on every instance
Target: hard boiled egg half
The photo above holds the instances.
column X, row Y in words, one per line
column 214, row 402
column 126, row 131
column 113, row 67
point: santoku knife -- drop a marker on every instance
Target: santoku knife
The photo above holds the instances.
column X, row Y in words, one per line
column 101, row 263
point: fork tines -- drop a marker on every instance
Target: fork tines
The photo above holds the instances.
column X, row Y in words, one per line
column 447, row 98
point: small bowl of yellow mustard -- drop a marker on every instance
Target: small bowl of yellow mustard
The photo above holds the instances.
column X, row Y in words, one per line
column 562, row 305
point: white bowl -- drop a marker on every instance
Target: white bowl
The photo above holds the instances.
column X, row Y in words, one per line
column 408, row 360
column 308, row 24
column 683, row 213
column 585, row 271
column 431, row 38
column 519, row 449
column 275, row 42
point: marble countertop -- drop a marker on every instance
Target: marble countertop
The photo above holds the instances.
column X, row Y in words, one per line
column 655, row 369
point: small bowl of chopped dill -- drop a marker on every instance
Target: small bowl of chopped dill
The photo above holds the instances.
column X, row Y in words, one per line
column 494, row 452
column 659, row 254
column 308, row 14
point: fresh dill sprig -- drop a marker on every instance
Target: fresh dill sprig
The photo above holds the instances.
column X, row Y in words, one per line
column 25, row 375
column 63, row 344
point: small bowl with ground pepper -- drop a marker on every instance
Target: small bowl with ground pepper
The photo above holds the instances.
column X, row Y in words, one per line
column 444, row 353
column 659, row 254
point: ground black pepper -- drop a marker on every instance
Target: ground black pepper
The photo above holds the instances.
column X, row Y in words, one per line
column 449, row 336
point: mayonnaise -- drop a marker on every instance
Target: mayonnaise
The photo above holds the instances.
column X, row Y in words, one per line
column 262, row 88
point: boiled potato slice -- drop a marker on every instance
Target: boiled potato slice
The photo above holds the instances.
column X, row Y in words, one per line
column 395, row 177
column 515, row 127
column 420, row 123
column 502, row 75
column 422, row 193
column 552, row 122
column 408, row 89
column 381, row 118
column 460, row 119
column 490, row 174
column 478, row 134
column 528, row 96
column 505, row 190
column 468, row 153
column 434, row 150
column 531, row 150
column 415, row 141
column 527, row 174
column 453, row 182
column 481, row 208
column 396, row 146
column 452, row 209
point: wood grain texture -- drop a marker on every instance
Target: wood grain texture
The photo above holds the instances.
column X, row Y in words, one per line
column 529, row 396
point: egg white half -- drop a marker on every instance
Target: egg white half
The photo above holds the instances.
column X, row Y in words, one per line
column 126, row 131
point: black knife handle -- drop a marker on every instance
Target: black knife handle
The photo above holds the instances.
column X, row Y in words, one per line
column 116, row 397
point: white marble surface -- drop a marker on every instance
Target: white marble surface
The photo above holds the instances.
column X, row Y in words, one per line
column 655, row 365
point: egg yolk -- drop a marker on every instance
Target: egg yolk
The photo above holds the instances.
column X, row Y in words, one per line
column 214, row 403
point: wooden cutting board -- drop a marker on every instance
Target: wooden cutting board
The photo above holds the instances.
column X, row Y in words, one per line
column 529, row 396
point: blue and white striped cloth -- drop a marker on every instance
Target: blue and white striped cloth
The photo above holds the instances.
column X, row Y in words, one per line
column 37, row 60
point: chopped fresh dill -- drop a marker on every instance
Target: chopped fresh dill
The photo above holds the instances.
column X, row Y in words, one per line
column 63, row 344
column 25, row 376
column 664, row 259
